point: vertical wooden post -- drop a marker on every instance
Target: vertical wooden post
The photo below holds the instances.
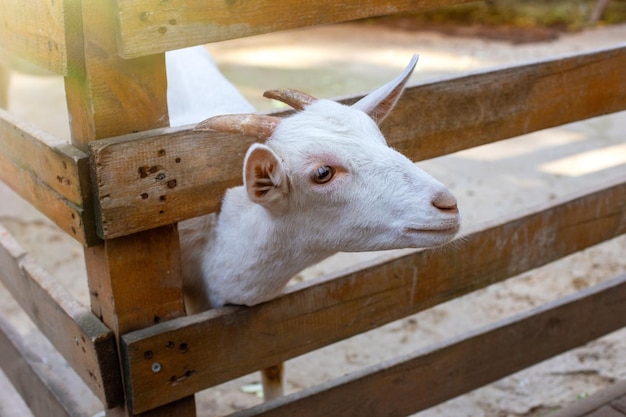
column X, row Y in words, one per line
column 135, row 280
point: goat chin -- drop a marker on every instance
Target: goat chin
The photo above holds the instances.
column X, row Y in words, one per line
column 324, row 181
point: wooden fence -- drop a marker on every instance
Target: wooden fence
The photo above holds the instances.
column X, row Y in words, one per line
column 111, row 54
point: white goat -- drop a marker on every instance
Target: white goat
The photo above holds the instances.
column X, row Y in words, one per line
column 324, row 181
column 196, row 89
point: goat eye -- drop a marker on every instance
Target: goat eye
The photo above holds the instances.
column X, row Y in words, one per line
column 323, row 174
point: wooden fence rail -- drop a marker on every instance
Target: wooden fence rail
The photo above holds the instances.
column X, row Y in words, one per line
column 39, row 31
column 87, row 345
column 50, row 174
column 147, row 27
column 415, row 382
column 42, row 377
column 121, row 195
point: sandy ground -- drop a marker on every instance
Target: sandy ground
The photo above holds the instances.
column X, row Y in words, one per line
column 490, row 182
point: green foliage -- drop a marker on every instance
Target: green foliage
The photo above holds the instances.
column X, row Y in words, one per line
column 561, row 14
column 615, row 12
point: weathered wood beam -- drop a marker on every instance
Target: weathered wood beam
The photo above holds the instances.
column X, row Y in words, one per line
column 415, row 382
column 196, row 352
column 38, row 31
column 459, row 113
column 147, row 27
column 158, row 177
column 79, row 336
column 50, row 174
column 41, row 377
column 135, row 280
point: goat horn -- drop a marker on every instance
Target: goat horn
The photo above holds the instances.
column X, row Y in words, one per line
column 296, row 99
column 255, row 125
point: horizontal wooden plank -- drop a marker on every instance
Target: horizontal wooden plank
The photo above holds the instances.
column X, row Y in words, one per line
column 160, row 177
column 87, row 345
column 48, row 173
column 35, row 31
column 154, row 178
column 54, row 160
column 41, row 377
column 147, row 27
column 209, row 348
column 460, row 113
column 460, row 365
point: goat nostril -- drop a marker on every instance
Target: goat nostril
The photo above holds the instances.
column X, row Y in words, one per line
column 447, row 208
column 451, row 209
column 445, row 202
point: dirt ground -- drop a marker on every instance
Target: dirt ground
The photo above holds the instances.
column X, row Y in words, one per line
column 490, row 182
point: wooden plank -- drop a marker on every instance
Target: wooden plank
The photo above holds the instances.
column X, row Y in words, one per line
column 460, row 113
column 196, row 352
column 135, row 280
column 154, row 293
column 53, row 160
column 153, row 178
column 35, row 31
column 50, row 174
column 147, row 26
column 160, row 184
column 41, row 377
column 414, row 382
column 138, row 283
column 88, row 346
column 108, row 96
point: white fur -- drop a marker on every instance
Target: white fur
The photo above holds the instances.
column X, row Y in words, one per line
column 378, row 199
column 196, row 89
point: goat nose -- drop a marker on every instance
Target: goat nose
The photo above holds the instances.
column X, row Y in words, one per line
column 444, row 200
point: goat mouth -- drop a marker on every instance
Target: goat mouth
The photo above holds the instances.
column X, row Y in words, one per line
column 451, row 229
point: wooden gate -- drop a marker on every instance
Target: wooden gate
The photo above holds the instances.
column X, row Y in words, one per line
column 126, row 179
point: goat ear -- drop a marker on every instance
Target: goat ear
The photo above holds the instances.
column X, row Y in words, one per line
column 265, row 178
column 379, row 103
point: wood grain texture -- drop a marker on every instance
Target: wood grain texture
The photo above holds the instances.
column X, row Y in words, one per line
column 50, row 174
column 35, row 31
column 454, row 114
column 110, row 96
column 114, row 96
column 79, row 336
column 144, row 285
column 53, row 160
column 411, row 383
column 197, row 352
column 41, row 377
column 162, row 178
column 148, row 26
column 159, row 177
column 134, row 280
